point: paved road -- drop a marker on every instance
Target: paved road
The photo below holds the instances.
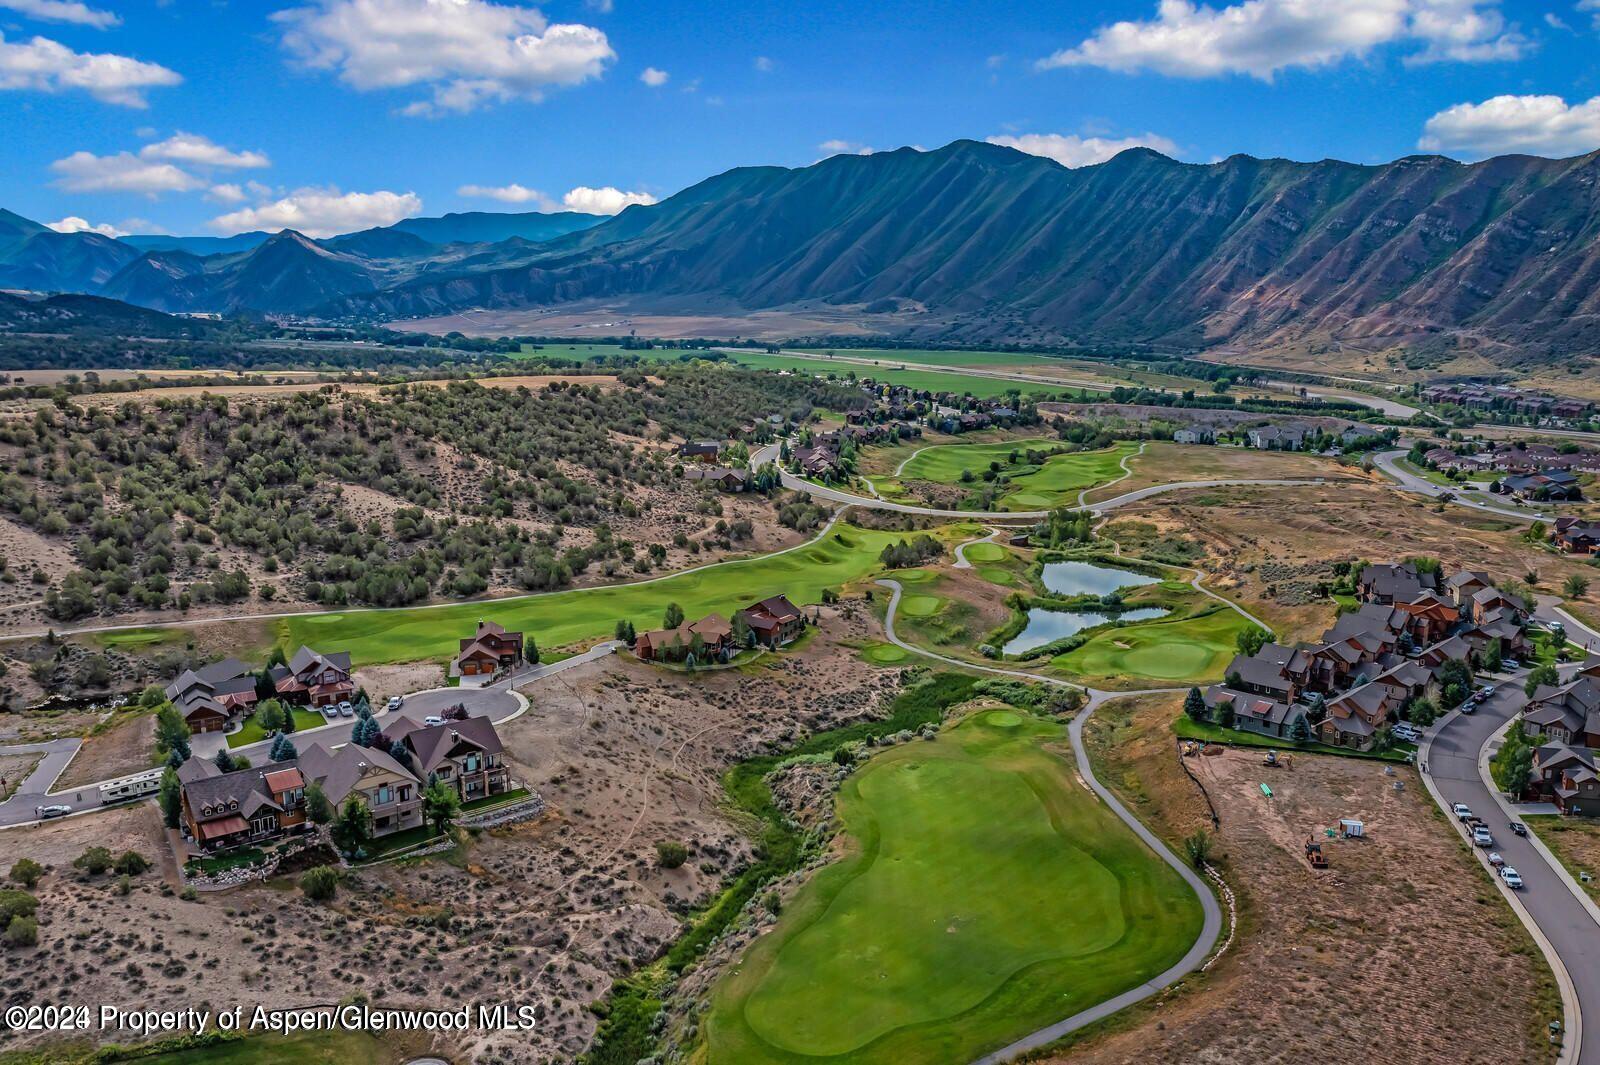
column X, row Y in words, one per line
column 1548, row 609
column 1410, row 482
column 1451, row 761
column 1210, row 928
column 497, row 702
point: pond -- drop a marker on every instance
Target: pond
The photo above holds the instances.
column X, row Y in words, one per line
column 1086, row 578
column 1048, row 626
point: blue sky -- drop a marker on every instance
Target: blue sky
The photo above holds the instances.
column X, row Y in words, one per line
column 207, row 116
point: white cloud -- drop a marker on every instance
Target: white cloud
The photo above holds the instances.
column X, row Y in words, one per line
column 1075, row 151
column 605, row 200
column 601, row 6
column 512, row 193
column 469, row 52
column 73, row 224
column 654, row 78
column 1533, row 125
column 839, row 147
column 63, row 11
column 1262, row 37
column 227, row 193
column 764, row 64
column 201, row 151
column 1591, row 5
column 322, row 212
column 123, row 172
column 43, row 65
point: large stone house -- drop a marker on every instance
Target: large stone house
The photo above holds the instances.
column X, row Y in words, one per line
column 466, row 754
column 488, row 651
column 210, row 696
column 391, row 791
column 314, row 678
column 222, row 810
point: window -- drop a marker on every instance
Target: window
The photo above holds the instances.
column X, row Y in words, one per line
column 471, row 764
column 405, row 792
column 385, row 794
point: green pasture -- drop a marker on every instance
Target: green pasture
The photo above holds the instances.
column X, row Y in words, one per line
column 985, row 894
column 557, row 619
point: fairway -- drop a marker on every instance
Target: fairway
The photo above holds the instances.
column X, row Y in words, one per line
column 984, row 551
column 1055, row 482
column 930, row 380
column 1184, row 650
column 985, row 895
column 556, row 619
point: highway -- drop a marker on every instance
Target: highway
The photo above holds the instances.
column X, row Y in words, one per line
column 1568, row 928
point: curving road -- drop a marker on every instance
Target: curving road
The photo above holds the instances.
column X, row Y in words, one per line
column 1210, row 928
column 1388, row 462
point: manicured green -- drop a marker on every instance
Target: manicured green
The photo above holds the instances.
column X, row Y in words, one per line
column 1184, row 649
column 965, row 359
column 251, row 732
column 884, row 654
column 944, row 463
column 986, row 894
column 921, row 606
column 557, row 619
column 136, row 638
column 987, row 551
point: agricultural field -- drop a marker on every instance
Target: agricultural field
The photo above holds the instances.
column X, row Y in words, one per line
column 1055, row 482
column 558, row 619
column 941, row 933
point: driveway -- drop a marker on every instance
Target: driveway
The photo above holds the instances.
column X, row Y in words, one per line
column 1450, row 761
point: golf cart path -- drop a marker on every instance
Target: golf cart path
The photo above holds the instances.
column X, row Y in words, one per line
column 1127, row 471
column 961, row 548
column 1211, row 927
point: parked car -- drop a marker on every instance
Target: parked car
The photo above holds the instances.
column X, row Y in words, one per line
column 345, row 709
column 1482, row 837
column 1462, row 811
column 1468, row 707
column 1511, row 663
column 1495, row 859
column 330, row 711
column 1512, row 878
column 394, row 702
column 433, row 719
column 1406, row 731
column 53, row 810
column 1518, row 828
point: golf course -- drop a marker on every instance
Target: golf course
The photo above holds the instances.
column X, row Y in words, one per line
column 984, row 893
column 1052, row 483
column 1189, row 647
column 556, row 619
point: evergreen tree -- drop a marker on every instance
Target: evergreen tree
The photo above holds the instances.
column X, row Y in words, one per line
column 673, row 616
column 530, row 651
column 1300, row 732
column 1194, row 704
column 1225, row 716
column 224, row 761
column 171, row 798
column 282, row 749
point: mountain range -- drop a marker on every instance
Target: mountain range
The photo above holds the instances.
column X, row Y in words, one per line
column 984, row 243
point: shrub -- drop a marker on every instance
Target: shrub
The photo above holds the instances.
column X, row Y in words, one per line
column 93, row 861
column 320, row 883
column 670, row 854
column 26, row 872
column 14, row 903
column 23, row 932
column 132, row 863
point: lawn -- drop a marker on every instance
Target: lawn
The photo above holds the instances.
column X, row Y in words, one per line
column 576, row 352
column 985, row 895
column 931, row 380
column 1198, row 730
column 884, row 654
column 251, row 732
column 1188, row 648
column 557, row 619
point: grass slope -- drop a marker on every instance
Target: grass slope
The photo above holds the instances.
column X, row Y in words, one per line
column 560, row 618
column 1184, row 649
column 1057, row 481
column 986, row 895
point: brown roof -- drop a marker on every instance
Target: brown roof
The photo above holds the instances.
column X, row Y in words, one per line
column 433, row 744
column 227, row 826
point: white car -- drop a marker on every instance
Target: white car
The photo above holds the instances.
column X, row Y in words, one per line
column 433, row 719
column 53, row 810
column 345, row 709
column 1512, row 878
column 1495, row 859
column 1482, row 837
column 1461, row 810
column 394, row 702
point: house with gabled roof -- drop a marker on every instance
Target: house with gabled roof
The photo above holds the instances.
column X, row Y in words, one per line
column 774, row 620
column 210, row 696
column 466, row 754
column 221, row 810
column 1255, row 713
column 314, row 678
column 1393, row 582
column 391, row 791
column 487, row 651
column 715, row 641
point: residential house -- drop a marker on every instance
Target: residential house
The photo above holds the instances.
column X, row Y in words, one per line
column 1462, row 585
column 1197, row 434
column 1277, row 437
column 726, row 478
column 1391, row 582
column 1274, row 672
column 488, row 651
column 1577, row 536
column 1566, row 713
column 390, row 790
column 817, row 461
column 775, row 621
column 221, row 810
column 715, row 637
column 1255, row 713
column 315, row 678
column 700, row 450
column 466, row 754
column 210, row 696
column 1557, row 485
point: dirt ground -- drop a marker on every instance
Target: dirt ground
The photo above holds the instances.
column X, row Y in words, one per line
column 545, row 913
column 14, row 769
column 383, row 681
column 1380, row 955
column 121, row 749
column 1164, row 462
